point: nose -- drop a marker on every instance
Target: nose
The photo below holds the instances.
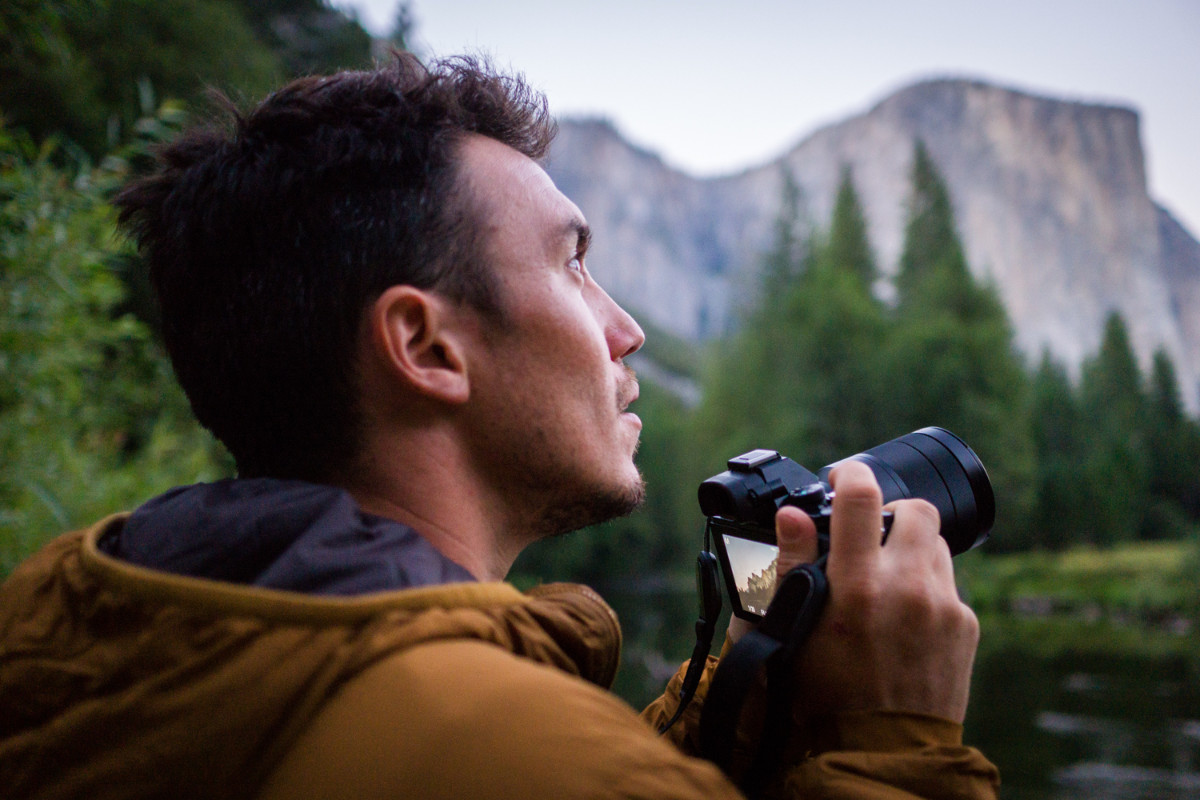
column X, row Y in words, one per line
column 622, row 333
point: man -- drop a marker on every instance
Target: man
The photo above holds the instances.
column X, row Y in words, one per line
column 379, row 302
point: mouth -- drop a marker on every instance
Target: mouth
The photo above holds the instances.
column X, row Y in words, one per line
column 625, row 398
column 627, row 393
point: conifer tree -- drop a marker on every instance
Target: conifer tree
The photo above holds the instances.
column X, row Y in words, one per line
column 845, row 326
column 1116, row 465
column 848, row 244
column 933, row 270
column 1112, row 381
column 1173, row 456
column 787, row 258
column 951, row 358
column 802, row 375
column 1061, row 514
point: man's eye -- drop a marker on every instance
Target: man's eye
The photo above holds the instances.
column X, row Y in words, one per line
column 576, row 264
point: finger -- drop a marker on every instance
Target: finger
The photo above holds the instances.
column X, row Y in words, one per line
column 796, row 536
column 856, row 528
column 916, row 526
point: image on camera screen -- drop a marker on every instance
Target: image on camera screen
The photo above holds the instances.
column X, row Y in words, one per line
column 753, row 567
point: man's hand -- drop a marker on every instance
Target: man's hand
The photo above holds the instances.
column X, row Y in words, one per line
column 894, row 634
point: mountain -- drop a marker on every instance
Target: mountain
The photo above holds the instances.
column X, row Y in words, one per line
column 1050, row 198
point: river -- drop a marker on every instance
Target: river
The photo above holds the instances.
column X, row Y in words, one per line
column 1066, row 709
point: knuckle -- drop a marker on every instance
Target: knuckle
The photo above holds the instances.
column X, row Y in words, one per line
column 956, row 620
column 861, row 599
column 970, row 624
column 859, row 491
column 924, row 512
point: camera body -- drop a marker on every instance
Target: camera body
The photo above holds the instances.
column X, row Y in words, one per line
column 740, row 503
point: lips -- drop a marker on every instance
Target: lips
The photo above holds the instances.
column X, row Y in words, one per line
column 627, row 391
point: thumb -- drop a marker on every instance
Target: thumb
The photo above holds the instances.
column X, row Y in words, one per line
column 796, row 536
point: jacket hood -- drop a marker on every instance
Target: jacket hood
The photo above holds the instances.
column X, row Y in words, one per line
column 279, row 534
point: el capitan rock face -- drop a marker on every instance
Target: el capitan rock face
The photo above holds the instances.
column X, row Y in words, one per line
column 1050, row 198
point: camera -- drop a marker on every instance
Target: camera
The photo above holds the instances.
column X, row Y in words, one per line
column 740, row 503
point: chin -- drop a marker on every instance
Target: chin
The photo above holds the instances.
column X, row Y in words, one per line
column 591, row 507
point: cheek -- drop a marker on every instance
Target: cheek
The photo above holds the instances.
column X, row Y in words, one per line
column 573, row 336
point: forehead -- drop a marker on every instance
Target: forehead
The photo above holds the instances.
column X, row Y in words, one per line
column 516, row 201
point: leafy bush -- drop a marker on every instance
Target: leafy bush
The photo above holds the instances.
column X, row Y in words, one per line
column 91, row 420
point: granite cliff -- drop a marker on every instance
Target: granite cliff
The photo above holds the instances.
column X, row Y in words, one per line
column 1050, row 197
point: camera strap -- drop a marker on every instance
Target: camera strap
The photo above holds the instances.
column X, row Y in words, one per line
column 771, row 649
column 709, row 589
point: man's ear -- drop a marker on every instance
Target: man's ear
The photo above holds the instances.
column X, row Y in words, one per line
column 414, row 333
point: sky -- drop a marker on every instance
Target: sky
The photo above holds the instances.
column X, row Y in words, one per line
column 714, row 87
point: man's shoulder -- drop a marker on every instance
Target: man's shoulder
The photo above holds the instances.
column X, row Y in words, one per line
column 463, row 718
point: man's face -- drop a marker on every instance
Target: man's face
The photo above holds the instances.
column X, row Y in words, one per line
column 548, row 384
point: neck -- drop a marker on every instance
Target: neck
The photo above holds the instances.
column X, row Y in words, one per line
column 441, row 499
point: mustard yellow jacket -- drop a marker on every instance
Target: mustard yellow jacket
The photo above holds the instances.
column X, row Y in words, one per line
column 122, row 682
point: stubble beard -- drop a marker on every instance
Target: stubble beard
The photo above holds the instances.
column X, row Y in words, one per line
column 581, row 501
column 590, row 507
column 570, row 500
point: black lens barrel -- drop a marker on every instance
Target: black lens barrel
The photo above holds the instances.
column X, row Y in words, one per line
column 936, row 465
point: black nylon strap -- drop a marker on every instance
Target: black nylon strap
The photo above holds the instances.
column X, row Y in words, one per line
column 773, row 646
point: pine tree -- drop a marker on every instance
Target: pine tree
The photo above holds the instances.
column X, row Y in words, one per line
column 788, row 257
column 1061, row 514
column 846, row 327
column 951, row 358
column 1173, row 456
column 849, row 246
column 933, row 270
column 1116, row 465
column 802, row 375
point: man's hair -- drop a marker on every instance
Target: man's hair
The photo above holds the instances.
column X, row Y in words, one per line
column 268, row 238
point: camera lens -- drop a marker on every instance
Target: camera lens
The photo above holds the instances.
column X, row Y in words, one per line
column 937, row 466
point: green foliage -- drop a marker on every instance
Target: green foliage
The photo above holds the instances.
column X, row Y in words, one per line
column 1113, row 405
column 933, row 268
column 838, row 330
column 1061, row 513
column 1173, row 445
column 1154, row 583
column 848, row 246
column 742, row 407
column 87, row 70
column 823, row 369
column 308, row 37
column 91, row 421
column 1142, row 459
column 802, row 374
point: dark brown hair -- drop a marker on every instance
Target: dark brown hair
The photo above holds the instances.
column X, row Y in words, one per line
column 267, row 239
